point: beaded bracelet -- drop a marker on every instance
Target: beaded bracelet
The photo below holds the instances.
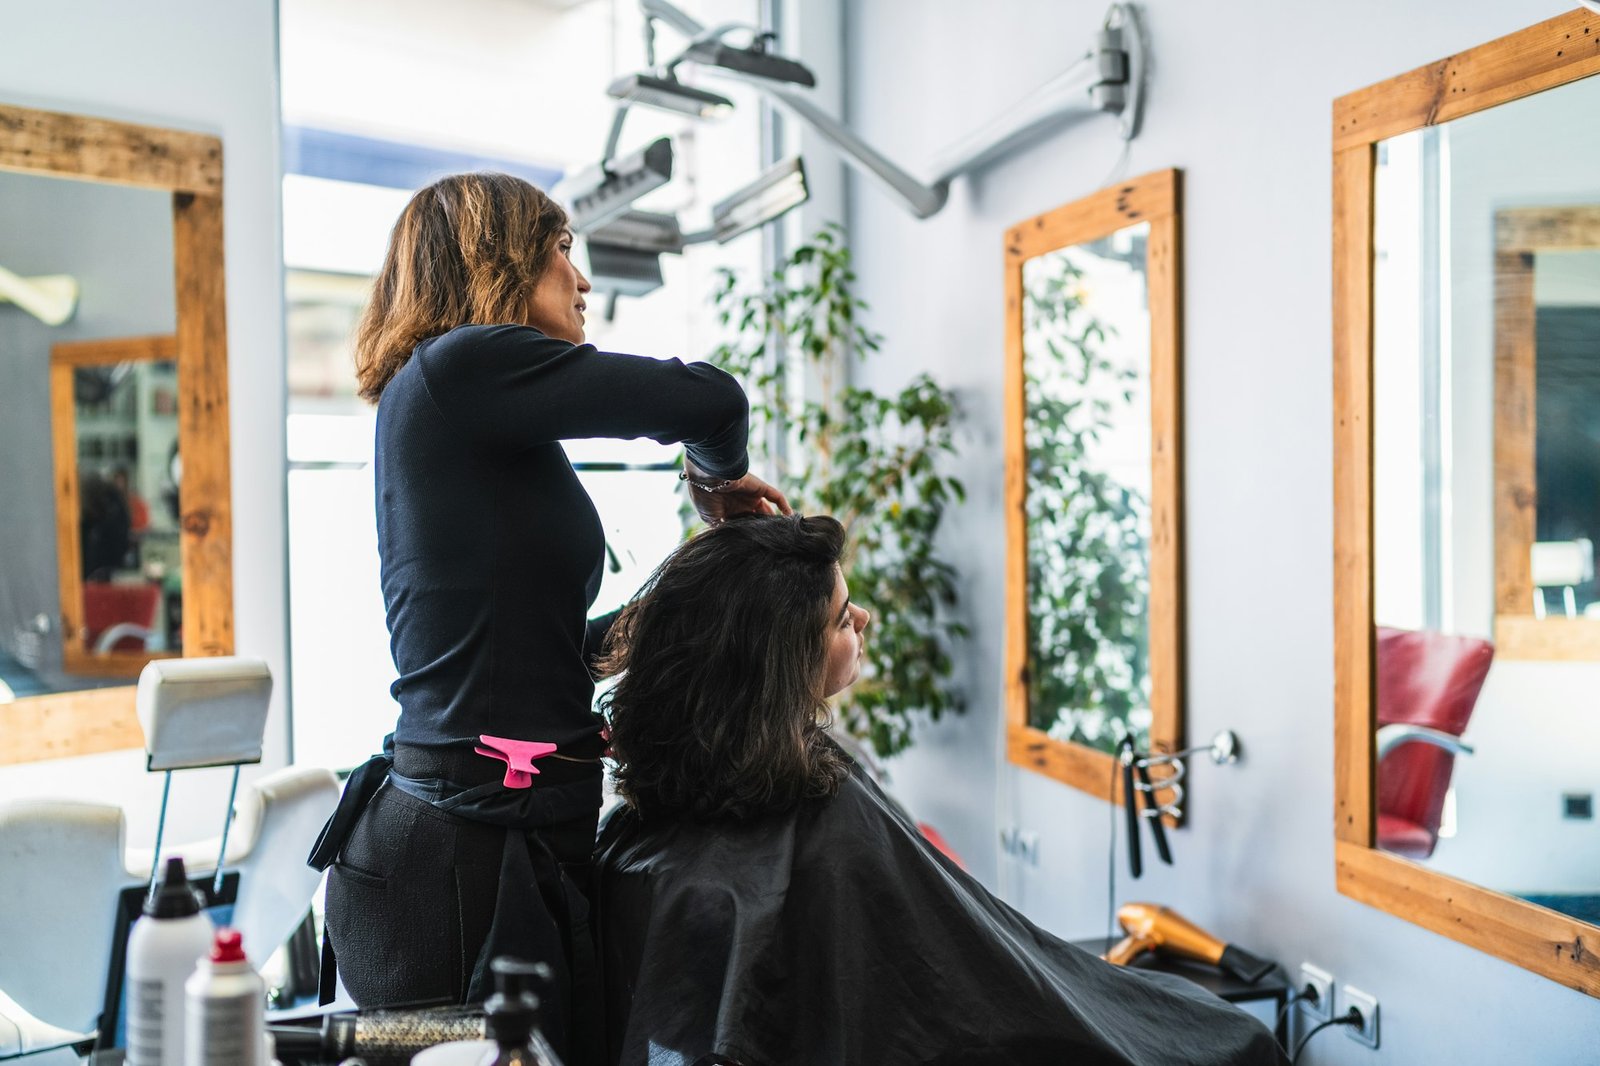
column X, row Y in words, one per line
column 706, row 486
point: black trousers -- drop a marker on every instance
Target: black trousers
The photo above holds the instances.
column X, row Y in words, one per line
column 412, row 896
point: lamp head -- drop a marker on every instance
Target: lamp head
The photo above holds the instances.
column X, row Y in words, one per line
column 754, row 62
column 669, row 94
column 645, row 231
column 773, row 194
column 604, row 192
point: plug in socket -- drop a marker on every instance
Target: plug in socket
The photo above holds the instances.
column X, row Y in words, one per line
column 1367, row 1033
column 1311, row 976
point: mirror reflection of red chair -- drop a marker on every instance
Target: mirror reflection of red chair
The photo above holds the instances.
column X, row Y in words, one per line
column 120, row 617
column 1428, row 684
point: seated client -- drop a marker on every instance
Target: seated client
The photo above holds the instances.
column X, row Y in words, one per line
column 761, row 902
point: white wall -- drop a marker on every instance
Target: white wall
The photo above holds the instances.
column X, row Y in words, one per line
column 1241, row 98
column 197, row 65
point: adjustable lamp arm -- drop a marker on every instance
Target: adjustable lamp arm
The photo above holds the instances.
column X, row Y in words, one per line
column 614, row 137
column 1120, row 66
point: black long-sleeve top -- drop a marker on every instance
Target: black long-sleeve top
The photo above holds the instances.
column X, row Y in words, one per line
column 491, row 550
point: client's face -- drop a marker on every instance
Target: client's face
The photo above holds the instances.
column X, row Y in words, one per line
column 846, row 623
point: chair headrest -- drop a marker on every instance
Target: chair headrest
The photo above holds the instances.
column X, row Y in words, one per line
column 203, row 712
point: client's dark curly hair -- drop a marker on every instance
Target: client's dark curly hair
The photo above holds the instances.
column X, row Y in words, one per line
column 719, row 710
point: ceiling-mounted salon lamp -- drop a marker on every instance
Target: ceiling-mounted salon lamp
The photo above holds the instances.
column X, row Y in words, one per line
column 625, row 253
column 52, row 299
column 603, row 192
column 708, row 49
column 1107, row 77
column 625, row 245
column 668, row 94
column 606, row 190
column 772, row 195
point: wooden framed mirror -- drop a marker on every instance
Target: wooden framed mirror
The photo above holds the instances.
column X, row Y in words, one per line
column 1547, row 444
column 113, row 362
column 1463, row 757
column 1094, row 549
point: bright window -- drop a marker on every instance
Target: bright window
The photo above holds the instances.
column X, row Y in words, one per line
column 378, row 101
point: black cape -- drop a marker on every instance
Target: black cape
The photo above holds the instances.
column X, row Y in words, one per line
column 835, row 935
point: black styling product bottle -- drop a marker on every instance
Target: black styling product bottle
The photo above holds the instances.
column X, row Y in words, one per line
column 514, row 1014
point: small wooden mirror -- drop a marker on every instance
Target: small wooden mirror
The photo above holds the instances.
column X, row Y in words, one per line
column 1094, row 589
column 113, row 362
column 1467, row 496
column 1546, row 431
column 114, row 418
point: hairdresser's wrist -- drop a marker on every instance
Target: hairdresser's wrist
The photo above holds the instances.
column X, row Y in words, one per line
column 706, row 485
column 699, row 479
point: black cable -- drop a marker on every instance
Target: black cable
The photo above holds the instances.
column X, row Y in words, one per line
column 1111, row 860
column 1350, row 1017
column 1308, row 994
column 1288, row 1005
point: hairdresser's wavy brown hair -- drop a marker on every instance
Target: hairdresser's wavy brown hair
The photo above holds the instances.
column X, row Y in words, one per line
column 719, row 710
column 467, row 249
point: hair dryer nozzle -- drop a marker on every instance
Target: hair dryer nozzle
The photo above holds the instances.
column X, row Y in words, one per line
column 1243, row 965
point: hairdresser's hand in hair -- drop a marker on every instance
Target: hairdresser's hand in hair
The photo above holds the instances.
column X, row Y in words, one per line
column 748, row 495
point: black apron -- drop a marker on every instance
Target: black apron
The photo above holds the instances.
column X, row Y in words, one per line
column 535, row 903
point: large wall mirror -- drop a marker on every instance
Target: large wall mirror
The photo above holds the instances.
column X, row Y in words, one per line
column 1093, row 504
column 115, row 521
column 1467, row 389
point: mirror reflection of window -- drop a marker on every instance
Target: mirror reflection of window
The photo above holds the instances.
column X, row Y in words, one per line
column 1486, row 496
column 1086, row 345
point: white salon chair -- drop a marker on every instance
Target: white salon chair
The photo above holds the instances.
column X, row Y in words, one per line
column 63, row 863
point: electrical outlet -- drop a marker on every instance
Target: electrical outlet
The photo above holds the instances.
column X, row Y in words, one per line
column 1367, row 1032
column 1311, row 976
column 1020, row 844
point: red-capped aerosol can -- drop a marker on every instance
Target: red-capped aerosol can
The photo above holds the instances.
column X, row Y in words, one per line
column 225, row 1008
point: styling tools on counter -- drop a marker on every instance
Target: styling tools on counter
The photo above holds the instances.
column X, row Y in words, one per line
column 1137, row 781
column 506, row 1026
column 378, row 1037
column 1151, row 927
column 513, row 1017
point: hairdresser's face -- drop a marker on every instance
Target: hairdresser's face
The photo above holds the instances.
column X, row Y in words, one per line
column 846, row 624
column 558, row 302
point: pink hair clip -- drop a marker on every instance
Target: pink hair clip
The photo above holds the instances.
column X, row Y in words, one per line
column 518, row 755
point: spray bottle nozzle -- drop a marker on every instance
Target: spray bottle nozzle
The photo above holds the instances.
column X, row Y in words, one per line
column 514, row 1008
column 173, row 897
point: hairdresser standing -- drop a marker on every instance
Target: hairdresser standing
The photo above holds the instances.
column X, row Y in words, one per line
column 442, row 856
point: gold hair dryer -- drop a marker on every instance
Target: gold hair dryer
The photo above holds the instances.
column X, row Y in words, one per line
column 1153, row 928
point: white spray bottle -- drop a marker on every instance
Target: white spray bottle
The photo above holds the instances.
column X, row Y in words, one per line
column 166, row 942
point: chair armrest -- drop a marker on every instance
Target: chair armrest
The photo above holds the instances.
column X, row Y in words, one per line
column 23, row 1034
column 1392, row 736
column 108, row 639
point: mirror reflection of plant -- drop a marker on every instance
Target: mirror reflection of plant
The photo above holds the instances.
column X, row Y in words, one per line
column 1088, row 563
column 870, row 459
